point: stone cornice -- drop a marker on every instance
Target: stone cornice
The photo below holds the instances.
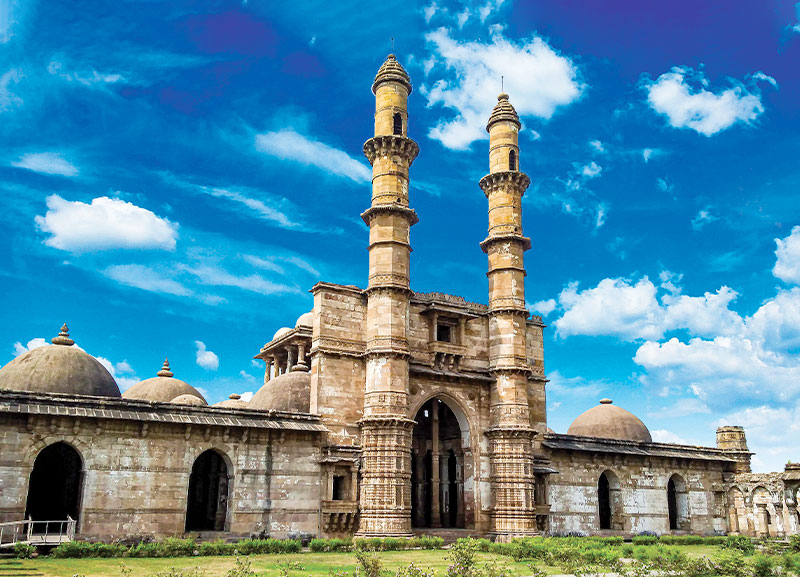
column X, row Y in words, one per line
column 408, row 213
column 519, row 181
column 506, row 237
column 390, row 145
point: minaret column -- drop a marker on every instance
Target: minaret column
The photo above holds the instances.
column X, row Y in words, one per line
column 511, row 432
column 385, row 493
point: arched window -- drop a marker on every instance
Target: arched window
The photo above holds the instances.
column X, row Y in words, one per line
column 55, row 485
column 672, row 505
column 677, row 504
column 207, row 504
column 398, row 124
column 512, row 160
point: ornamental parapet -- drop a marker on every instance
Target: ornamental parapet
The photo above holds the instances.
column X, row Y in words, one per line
column 391, row 145
column 506, row 431
column 394, row 208
column 399, row 421
column 518, row 181
column 505, row 237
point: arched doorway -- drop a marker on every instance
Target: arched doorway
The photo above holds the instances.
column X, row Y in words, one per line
column 437, row 468
column 207, row 504
column 54, row 491
column 677, row 504
column 608, row 501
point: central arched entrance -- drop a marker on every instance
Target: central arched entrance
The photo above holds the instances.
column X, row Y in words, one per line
column 54, row 491
column 677, row 504
column 207, row 504
column 437, row 468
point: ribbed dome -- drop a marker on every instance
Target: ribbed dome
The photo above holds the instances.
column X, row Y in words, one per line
column 608, row 421
column 233, row 402
column 391, row 71
column 162, row 388
column 288, row 392
column 189, row 400
column 305, row 320
column 58, row 368
column 503, row 111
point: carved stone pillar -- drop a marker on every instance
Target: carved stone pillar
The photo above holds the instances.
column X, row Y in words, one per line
column 436, row 489
column 762, row 520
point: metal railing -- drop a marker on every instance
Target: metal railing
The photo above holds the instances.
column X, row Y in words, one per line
column 37, row 532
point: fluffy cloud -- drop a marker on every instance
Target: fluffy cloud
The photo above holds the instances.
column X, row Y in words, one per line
column 787, row 267
column 46, row 163
column 615, row 307
column 205, row 358
column 706, row 316
column 703, row 217
column 544, row 307
column 682, row 96
column 88, row 78
column 122, row 372
column 291, row 145
column 106, row 223
column 773, row 430
column 34, row 343
column 9, row 100
column 538, row 79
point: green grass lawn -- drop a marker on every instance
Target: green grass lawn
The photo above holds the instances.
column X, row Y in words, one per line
column 314, row 564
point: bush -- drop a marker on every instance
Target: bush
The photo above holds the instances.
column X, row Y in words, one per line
column 211, row 548
column 82, row 549
column 794, row 543
column 414, row 571
column 268, row 546
column 645, row 540
column 368, row 565
column 739, row 543
column 331, row 545
column 462, row 559
column 429, row 542
column 24, row 551
column 763, row 566
column 169, row 547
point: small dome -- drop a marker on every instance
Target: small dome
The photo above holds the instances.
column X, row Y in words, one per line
column 305, row 320
column 503, row 111
column 162, row 388
column 233, row 402
column 189, row 400
column 288, row 392
column 58, row 368
column 391, row 71
column 608, row 421
column 280, row 332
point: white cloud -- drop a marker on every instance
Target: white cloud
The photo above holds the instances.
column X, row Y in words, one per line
column 544, row 307
column 648, row 153
column 704, row 316
column 665, row 436
column 787, row 266
column 246, row 396
column 682, row 96
column 89, row 78
column 703, row 217
column 490, row 6
column 122, row 372
column 771, row 432
column 272, row 263
column 259, row 207
column 213, row 275
column 248, row 378
column 615, row 307
column 46, row 163
column 205, row 358
column 34, row 343
column 291, row 145
column 538, row 79
column 8, row 99
column 106, row 223
column 776, row 324
column 574, row 387
column 429, row 11
column 146, row 278
column 591, row 170
column 597, row 146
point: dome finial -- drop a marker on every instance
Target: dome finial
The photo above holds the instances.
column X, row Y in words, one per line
column 234, row 396
column 606, row 401
column 63, row 337
column 165, row 372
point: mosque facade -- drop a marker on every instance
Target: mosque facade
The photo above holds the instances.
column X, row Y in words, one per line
column 384, row 412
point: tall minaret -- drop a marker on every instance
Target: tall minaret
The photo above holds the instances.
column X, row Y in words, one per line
column 511, row 431
column 385, row 492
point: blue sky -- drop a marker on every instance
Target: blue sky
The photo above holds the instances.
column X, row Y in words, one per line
column 175, row 176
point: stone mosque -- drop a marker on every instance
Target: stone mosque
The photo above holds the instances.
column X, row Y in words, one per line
column 384, row 412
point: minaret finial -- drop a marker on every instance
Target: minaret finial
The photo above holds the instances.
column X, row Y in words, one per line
column 63, row 337
column 165, row 372
column 392, row 44
column 502, row 88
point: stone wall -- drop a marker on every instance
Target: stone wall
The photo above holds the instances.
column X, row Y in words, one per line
column 762, row 505
column 135, row 475
column 639, row 501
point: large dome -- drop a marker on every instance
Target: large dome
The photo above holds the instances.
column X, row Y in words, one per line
column 234, row 401
column 288, row 392
column 608, row 421
column 58, row 368
column 162, row 388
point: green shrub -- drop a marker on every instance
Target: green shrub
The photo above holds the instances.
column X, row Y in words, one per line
column 462, row 559
column 368, row 565
column 211, row 548
column 645, row 540
column 24, row 551
column 763, row 566
column 794, row 543
column 413, row 571
column 739, row 543
column 268, row 546
column 169, row 547
column 428, row 542
column 331, row 545
column 83, row 549
column 241, row 568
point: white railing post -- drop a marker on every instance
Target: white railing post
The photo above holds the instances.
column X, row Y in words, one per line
column 30, row 527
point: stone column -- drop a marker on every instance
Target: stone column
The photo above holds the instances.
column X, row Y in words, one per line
column 268, row 373
column 762, row 524
column 276, row 363
column 511, row 432
column 291, row 351
column 436, row 487
column 460, row 522
column 301, row 357
column 419, row 519
column 386, row 428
